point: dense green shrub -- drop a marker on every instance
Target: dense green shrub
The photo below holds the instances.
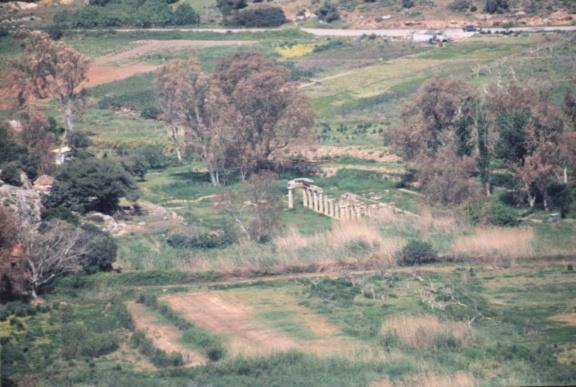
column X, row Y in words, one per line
column 116, row 13
column 11, row 175
column 15, row 156
column 85, row 185
column 99, row 249
column 228, row 7
column 417, row 253
column 59, row 213
column 328, row 12
column 203, row 241
column 98, row 345
column 259, row 17
column 497, row 6
column 460, row 5
column 483, row 212
column 137, row 166
column 501, row 215
column 150, row 113
column 561, row 197
column 184, row 15
column 79, row 139
column 55, row 32
column 408, row 3
column 154, row 156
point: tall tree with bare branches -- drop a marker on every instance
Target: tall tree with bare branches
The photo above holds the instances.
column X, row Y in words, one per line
column 52, row 253
column 273, row 113
column 48, row 69
column 191, row 100
column 439, row 139
column 36, row 137
column 530, row 130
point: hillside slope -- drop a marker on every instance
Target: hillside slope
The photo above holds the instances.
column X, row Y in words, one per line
column 437, row 13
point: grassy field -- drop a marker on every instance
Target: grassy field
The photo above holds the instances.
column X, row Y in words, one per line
column 495, row 309
column 486, row 325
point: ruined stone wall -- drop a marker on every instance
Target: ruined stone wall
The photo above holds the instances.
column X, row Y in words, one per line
column 348, row 207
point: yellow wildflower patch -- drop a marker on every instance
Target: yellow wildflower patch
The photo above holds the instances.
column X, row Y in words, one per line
column 295, row 51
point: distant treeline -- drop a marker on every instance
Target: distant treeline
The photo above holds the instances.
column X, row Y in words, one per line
column 136, row 13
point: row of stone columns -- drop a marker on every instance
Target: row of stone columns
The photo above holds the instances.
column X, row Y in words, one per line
column 314, row 199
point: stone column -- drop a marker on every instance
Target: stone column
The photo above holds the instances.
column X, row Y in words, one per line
column 330, row 208
column 304, row 198
column 321, row 203
column 314, row 201
column 290, row 199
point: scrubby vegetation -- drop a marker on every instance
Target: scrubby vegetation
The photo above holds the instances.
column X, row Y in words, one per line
column 157, row 247
column 116, row 13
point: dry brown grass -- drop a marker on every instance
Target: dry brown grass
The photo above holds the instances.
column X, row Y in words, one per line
column 428, row 222
column 293, row 252
column 383, row 250
column 422, row 332
column 496, row 244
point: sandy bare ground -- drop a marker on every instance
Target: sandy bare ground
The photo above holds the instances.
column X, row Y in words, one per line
column 164, row 337
column 236, row 320
column 101, row 74
column 322, row 152
column 118, row 66
column 568, row 318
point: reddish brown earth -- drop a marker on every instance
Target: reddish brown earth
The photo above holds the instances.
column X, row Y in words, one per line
column 118, row 66
column 230, row 317
column 163, row 336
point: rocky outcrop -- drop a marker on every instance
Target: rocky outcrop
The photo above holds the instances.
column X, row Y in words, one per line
column 24, row 201
column 43, row 184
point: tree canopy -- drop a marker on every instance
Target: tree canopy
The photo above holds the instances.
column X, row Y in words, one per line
column 237, row 116
column 451, row 134
column 48, row 69
column 91, row 184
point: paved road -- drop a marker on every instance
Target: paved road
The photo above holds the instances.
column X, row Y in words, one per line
column 447, row 31
column 451, row 32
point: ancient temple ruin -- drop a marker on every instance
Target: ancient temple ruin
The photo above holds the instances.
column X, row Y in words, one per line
column 348, row 207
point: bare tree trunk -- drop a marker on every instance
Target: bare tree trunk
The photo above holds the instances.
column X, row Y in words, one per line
column 174, row 136
column 68, row 117
column 531, row 200
column 565, row 177
column 214, row 176
column 487, row 189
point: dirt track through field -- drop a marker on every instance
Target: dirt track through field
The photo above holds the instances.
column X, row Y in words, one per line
column 230, row 317
column 118, row 66
column 163, row 336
